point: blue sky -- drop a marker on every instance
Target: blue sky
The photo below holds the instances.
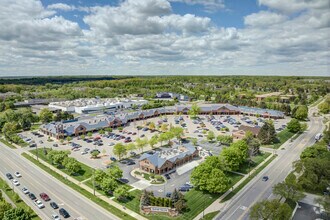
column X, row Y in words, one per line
column 146, row 37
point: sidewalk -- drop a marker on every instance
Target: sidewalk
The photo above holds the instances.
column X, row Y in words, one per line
column 217, row 205
column 87, row 188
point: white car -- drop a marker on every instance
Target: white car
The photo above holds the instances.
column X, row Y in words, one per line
column 55, row 217
column 39, row 204
column 111, row 144
column 17, row 174
column 84, row 152
column 15, row 182
column 25, row 190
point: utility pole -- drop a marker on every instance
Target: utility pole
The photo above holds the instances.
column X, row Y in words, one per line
column 94, row 181
column 37, row 152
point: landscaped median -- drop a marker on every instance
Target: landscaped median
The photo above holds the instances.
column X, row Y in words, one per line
column 6, row 143
column 14, row 197
column 97, row 200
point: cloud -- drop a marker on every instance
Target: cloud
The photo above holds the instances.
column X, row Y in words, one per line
column 264, row 19
column 210, row 6
column 61, row 6
column 291, row 6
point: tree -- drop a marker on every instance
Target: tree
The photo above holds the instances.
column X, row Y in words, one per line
column 119, row 150
column 231, row 157
column 253, row 143
column 175, row 196
column 324, row 107
column 294, row 126
column 175, row 132
column 89, row 134
column 194, row 110
column 58, row 157
column 194, row 141
column 130, row 147
column 9, row 130
column 4, row 206
column 17, row 214
column 225, row 139
column 162, row 137
column 95, row 154
column 152, row 126
column 108, row 184
column 153, row 141
column 101, row 131
column 141, row 143
column 210, row 136
column 114, row 172
column 289, row 189
column 45, row 115
column 164, row 127
column 122, row 192
column 99, row 175
column 145, row 198
column 68, row 138
column 267, row 134
column 301, row 112
column 324, row 201
column 71, row 164
column 270, row 210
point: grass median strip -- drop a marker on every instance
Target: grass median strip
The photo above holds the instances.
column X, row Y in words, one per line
column 5, row 142
column 18, row 202
column 240, row 186
column 103, row 204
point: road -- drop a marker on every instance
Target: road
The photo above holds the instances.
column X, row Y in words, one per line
column 256, row 190
column 37, row 181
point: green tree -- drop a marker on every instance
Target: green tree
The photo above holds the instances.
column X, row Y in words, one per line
column 119, row 150
column 122, row 193
column 289, row 189
column 301, row 112
column 164, row 127
column 294, row 125
column 225, row 139
column 130, row 147
column 270, row 210
column 72, row 165
column 152, row 126
column 194, row 141
column 324, row 107
column 4, row 206
column 141, row 143
column 108, row 184
column 153, row 141
column 267, row 134
column 114, row 172
column 17, row 214
column 324, row 201
column 58, row 157
column 95, row 154
column 45, row 115
column 231, row 157
column 210, row 136
column 194, row 111
column 99, row 175
column 9, row 130
column 89, row 134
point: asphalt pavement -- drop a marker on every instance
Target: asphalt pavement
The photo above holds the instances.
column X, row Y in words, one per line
column 256, row 190
column 38, row 181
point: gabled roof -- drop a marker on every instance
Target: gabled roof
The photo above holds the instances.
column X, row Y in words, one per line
column 255, row 130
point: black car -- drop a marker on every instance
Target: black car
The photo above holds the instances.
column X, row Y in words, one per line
column 131, row 163
column 53, row 205
column 168, row 195
column 184, row 189
column 122, row 180
column 167, row 176
column 265, row 178
column 124, row 161
column 64, row 213
column 9, row 176
column 32, row 196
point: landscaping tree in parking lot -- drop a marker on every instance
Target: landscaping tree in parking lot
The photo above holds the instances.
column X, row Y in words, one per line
column 289, row 189
column 122, row 193
column 294, row 125
column 194, row 111
column 130, row 147
column 95, row 154
column 162, row 137
column 194, row 141
column 101, row 131
column 225, row 139
column 119, row 150
column 153, row 141
column 176, row 132
column 141, row 143
column 267, row 134
column 109, row 130
column 210, row 136
column 270, row 210
column 68, row 138
column 164, row 127
column 152, row 126
column 89, row 134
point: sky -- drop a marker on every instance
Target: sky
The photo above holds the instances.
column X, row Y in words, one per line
column 164, row 37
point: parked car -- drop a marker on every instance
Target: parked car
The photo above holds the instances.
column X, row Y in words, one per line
column 44, row 196
column 134, row 133
column 167, row 176
column 113, row 159
column 55, row 217
column 123, row 161
column 122, row 180
column 132, row 153
column 53, row 205
column 142, row 135
column 32, row 196
column 168, row 195
column 9, row 176
column 55, row 145
column 25, row 190
column 131, row 163
column 15, row 182
column 33, row 145
column 184, row 189
column 64, row 213
column 39, row 204
column 111, row 144
column 84, row 152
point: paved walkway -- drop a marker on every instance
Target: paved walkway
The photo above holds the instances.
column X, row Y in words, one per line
column 217, row 204
column 87, row 188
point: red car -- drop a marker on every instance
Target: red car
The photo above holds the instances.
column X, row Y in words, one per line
column 44, row 196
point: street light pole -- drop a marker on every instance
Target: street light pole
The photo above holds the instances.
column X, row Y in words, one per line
column 37, row 152
column 94, row 181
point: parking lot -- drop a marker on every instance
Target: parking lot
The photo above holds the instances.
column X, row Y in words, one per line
column 197, row 128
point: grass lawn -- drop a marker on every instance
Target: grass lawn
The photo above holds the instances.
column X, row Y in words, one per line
column 282, row 137
column 95, row 199
column 35, row 127
column 256, row 159
column 11, row 194
column 85, row 172
column 210, row 216
column 5, row 142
